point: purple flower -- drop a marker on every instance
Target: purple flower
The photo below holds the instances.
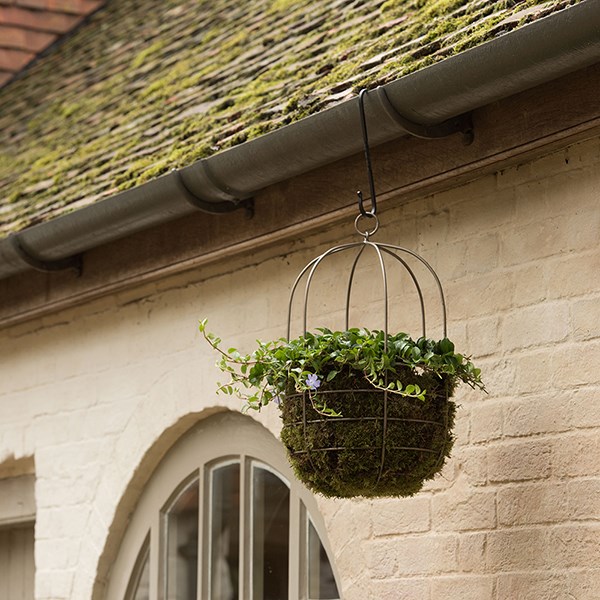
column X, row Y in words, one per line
column 313, row 382
column 277, row 399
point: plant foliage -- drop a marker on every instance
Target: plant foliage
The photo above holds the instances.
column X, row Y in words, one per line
column 278, row 368
column 364, row 414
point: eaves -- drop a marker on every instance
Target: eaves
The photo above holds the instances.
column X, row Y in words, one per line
column 543, row 51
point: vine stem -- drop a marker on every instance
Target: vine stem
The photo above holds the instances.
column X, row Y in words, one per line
column 227, row 357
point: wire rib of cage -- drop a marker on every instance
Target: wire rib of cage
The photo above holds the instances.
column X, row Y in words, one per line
column 399, row 257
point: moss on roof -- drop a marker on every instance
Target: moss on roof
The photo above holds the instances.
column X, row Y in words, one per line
column 149, row 85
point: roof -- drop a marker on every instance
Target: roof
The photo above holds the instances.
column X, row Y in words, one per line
column 28, row 27
column 147, row 85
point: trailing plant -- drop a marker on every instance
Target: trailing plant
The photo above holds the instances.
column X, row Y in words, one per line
column 364, row 413
column 277, row 368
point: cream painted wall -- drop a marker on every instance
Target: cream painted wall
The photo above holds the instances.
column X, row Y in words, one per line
column 87, row 393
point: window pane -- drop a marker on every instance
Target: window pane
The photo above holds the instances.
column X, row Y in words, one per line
column 143, row 586
column 139, row 585
column 270, row 536
column 321, row 582
column 225, row 532
column 182, row 545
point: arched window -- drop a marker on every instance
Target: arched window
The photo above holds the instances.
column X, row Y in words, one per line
column 222, row 518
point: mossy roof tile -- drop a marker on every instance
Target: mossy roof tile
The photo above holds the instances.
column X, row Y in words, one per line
column 151, row 85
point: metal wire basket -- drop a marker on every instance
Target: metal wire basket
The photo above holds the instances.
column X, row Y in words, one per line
column 383, row 444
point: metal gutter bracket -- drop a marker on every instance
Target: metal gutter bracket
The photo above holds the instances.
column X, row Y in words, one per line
column 74, row 263
column 212, row 207
column 460, row 124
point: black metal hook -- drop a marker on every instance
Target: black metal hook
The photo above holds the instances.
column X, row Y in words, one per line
column 363, row 122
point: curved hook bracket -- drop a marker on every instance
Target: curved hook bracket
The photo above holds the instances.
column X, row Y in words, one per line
column 363, row 123
column 460, row 124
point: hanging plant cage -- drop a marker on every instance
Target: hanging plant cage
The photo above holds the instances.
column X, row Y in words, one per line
column 379, row 442
column 365, row 413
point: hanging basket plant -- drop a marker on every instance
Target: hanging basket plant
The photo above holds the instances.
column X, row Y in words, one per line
column 365, row 413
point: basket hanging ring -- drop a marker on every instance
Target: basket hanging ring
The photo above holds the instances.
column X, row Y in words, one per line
column 367, row 232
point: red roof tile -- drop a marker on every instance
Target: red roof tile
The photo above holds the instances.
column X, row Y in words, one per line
column 27, row 27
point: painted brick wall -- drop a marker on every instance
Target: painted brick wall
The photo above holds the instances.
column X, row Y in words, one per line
column 516, row 512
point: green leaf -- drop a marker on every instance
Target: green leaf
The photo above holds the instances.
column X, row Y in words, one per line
column 275, row 366
column 446, row 346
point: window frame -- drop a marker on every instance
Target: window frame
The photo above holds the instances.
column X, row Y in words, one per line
column 213, row 441
column 17, row 501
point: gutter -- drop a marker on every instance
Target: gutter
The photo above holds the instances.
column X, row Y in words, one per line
column 428, row 103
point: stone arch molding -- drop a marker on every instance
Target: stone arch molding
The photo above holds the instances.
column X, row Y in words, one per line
column 131, row 491
column 214, row 433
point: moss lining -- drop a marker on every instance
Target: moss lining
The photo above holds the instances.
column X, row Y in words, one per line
column 342, row 458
